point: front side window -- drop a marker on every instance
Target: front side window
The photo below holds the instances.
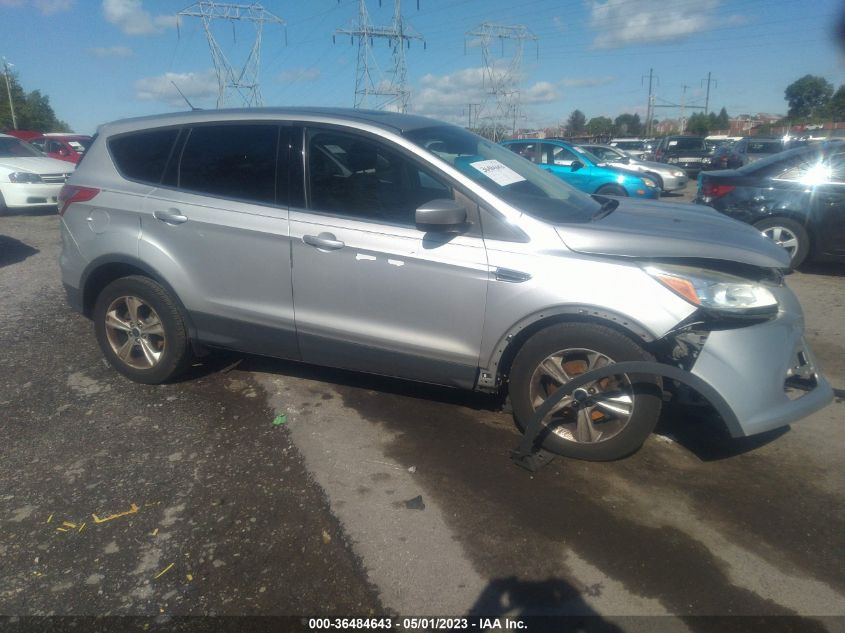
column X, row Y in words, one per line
column 557, row 155
column 142, row 156
column 231, row 161
column 360, row 177
column 495, row 168
column 526, row 150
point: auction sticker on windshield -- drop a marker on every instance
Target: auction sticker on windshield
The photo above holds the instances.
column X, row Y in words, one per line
column 501, row 174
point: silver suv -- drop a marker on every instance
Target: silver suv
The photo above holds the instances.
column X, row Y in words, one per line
column 402, row 246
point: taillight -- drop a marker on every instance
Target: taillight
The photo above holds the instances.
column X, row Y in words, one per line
column 658, row 153
column 70, row 194
column 715, row 191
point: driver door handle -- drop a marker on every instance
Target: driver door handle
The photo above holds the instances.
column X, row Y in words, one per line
column 323, row 242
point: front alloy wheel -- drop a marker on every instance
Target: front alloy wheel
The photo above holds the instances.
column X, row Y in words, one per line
column 597, row 411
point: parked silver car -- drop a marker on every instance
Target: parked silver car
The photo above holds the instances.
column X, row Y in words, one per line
column 667, row 178
column 402, row 246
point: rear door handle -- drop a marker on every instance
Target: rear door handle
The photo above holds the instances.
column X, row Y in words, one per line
column 323, row 241
column 171, row 216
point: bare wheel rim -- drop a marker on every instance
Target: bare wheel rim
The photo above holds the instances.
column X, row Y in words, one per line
column 783, row 237
column 608, row 403
column 135, row 332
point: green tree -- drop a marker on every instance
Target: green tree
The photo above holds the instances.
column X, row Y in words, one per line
column 576, row 123
column 32, row 110
column 836, row 108
column 723, row 120
column 698, row 123
column 600, row 125
column 628, row 125
column 808, row 97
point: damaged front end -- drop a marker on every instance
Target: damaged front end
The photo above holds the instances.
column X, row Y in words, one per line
column 749, row 349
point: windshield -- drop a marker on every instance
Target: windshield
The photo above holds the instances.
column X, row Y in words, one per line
column 507, row 175
column 12, row 147
column 693, row 143
column 629, row 144
column 589, row 155
column 607, row 154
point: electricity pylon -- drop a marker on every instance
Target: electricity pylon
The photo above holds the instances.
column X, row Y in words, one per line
column 373, row 88
column 502, row 76
column 243, row 81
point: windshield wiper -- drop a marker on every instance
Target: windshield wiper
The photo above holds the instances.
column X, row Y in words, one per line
column 607, row 207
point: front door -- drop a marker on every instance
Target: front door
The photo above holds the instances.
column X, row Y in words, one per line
column 372, row 292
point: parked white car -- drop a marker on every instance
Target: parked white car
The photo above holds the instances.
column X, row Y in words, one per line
column 27, row 177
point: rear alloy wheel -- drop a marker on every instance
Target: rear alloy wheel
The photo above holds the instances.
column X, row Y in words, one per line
column 611, row 190
column 789, row 235
column 140, row 330
column 610, row 417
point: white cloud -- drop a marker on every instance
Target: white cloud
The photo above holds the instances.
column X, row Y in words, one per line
column 447, row 96
column 623, row 22
column 46, row 7
column 131, row 17
column 110, row 51
column 193, row 85
column 299, row 74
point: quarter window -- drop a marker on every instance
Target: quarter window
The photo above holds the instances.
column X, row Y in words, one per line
column 231, row 161
column 360, row 177
column 143, row 155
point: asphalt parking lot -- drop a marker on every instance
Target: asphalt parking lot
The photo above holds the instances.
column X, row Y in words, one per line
column 266, row 487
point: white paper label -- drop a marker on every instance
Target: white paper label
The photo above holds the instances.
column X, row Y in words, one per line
column 501, row 174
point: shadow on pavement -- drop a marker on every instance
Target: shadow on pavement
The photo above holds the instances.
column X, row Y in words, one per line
column 48, row 210
column 512, row 598
column 13, row 251
column 701, row 431
column 833, row 269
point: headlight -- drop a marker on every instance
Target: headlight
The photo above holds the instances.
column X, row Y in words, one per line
column 649, row 182
column 677, row 173
column 24, row 176
column 706, row 160
column 671, row 160
column 714, row 290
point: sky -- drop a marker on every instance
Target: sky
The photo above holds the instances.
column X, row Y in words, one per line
column 101, row 60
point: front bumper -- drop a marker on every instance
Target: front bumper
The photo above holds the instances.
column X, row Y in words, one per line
column 25, row 195
column 673, row 183
column 765, row 373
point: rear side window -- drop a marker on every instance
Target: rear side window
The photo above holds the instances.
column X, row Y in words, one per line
column 143, row 155
column 231, row 161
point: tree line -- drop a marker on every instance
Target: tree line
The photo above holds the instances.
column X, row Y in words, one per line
column 32, row 109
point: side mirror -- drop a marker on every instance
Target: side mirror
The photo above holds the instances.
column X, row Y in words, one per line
column 442, row 214
column 576, row 165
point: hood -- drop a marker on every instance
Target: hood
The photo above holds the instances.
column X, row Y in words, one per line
column 645, row 229
column 35, row 164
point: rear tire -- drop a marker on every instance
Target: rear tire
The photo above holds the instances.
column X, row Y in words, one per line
column 611, row 190
column 3, row 207
column 788, row 234
column 617, row 424
column 140, row 330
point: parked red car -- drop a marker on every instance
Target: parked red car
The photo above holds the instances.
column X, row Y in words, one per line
column 69, row 147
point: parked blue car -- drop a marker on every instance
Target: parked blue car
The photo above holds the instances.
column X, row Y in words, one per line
column 583, row 170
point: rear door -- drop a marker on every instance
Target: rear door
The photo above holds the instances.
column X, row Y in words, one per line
column 217, row 229
column 372, row 292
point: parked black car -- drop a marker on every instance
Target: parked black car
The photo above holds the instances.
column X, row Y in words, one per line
column 690, row 153
column 795, row 197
